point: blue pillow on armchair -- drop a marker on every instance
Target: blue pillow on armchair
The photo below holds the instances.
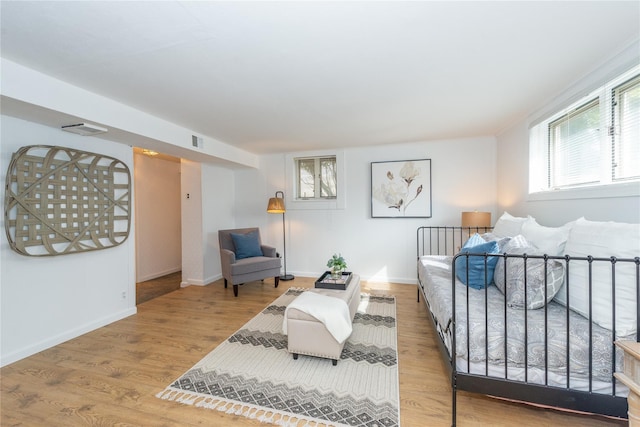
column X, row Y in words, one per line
column 247, row 245
column 477, row 245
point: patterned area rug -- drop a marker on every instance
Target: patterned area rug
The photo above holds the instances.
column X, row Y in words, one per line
column 252, row 373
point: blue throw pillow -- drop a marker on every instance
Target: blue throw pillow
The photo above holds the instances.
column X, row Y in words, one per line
column 247, row 245
column 477, row 245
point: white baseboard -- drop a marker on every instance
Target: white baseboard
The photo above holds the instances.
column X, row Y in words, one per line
column 157, row 274
column 198, row 282
column 7, row 359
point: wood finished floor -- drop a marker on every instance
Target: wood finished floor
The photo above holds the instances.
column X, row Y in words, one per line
column 150, row 289
column 110, row 376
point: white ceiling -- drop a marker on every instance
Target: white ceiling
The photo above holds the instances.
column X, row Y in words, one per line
column 289, row 76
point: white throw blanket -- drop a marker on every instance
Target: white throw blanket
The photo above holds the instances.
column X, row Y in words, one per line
column 331, row 311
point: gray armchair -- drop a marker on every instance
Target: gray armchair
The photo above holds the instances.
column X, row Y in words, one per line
column 244, row 258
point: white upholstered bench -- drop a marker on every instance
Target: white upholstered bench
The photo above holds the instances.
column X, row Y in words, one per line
column 309, row 336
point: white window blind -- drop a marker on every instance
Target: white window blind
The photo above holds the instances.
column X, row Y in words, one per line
column 625, row 132
column 575, row 147
column 595, row 141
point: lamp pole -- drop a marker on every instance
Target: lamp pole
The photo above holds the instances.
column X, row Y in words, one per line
column 284, row 247
column 276, row 205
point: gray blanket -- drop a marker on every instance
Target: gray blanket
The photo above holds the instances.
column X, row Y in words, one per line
column 435, row 275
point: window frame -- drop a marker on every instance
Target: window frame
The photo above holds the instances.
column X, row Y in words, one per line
column 556, row 146
column 291, row 176
column 615, row 130
column 317, row 176
column 540, row 185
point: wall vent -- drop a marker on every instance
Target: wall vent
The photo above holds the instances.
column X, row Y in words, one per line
column 84, row 129
column 196, row 141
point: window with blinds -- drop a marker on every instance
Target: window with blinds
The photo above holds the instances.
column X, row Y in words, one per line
column 574, row 142
column 625, row 132
column 592, row 142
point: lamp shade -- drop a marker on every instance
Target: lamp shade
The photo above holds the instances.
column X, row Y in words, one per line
column 476, row 219
column 276, row 204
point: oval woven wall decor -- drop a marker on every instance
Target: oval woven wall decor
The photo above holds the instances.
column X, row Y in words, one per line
column 60, row 201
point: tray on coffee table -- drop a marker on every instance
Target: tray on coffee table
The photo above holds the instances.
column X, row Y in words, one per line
column 325, row 281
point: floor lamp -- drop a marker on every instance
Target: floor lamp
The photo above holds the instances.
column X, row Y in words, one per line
column 276, row 205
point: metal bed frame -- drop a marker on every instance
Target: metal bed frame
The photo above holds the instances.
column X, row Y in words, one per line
column 448, row 241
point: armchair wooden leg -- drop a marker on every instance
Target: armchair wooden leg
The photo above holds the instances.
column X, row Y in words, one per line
column 235, row 290
column 277, row 279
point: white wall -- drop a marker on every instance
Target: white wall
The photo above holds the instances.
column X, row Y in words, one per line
column 513, row 190
column 47, row 300
column 513, row 161
column 208, row 208
column 158, row 217
column 463, row 178
column 218, row 203
column 191, row 196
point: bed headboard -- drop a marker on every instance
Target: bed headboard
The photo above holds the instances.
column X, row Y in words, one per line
column 444, row 240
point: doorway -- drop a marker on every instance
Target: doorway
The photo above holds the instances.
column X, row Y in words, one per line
column 158, row 230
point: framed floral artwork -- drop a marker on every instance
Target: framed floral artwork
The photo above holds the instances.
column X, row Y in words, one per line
column 401, row 189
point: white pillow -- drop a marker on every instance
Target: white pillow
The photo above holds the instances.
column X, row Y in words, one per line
column 603, row 240
column 508, row 225
column 549, row 240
